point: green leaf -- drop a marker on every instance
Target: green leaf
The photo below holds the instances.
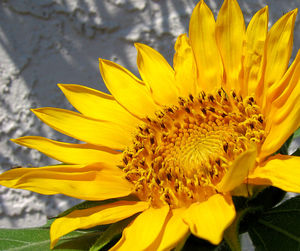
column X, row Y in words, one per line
column 297, row 133
column 196, row 244
column 77, row 241
column 24, row 239
column 297, row 153
column 248, row 209
column 231, row 234
column 278, row 228
column 181, row 244
column 111, row 233
column 284, row 148
column 36, row 239
column 267, row 198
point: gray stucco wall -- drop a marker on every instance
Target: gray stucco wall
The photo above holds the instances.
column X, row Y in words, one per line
column 43, row 43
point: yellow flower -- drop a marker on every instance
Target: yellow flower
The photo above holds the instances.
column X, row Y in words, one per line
column 183, row 140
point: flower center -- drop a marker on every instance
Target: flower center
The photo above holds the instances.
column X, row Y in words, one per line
column 180, row 156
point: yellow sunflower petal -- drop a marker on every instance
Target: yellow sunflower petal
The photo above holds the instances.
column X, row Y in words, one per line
column 282, row 89
column 284, row 116
column 91, row 182
column 279, row 48
column 230, row 35
column 98, row 105
column 184, row 62
column 127, row 89
column 71, row 153
column 203, row 42
column 280, row 171
column 103, row 133
column 278, row 51
column 209, row 219
column 175, row 230
column 99, row 215
column 144, row 230
column 256, row 35
column 157, row 74
column 238, row 170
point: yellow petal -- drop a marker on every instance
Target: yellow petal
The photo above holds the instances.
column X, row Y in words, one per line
column 71, row 153
column 280, row 171
column 279, row 48
column 184, row 63
column 175, row 230
column 289, row 88
column 99, row 215
column 127, row 89
column 203, row 42
column 98, row 105
column 144, row 230
column 278, row 51
column 91, row 182
column 157, row 75
column 238, row 170
column 255, row 42
column 282, row 89
column 230, row 35
column 102, row 133
column 284, row 116
column 209, row 219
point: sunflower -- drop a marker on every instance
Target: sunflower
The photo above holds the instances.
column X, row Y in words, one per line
column 181, row 141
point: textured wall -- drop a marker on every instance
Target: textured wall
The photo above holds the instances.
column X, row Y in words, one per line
column 43, row 43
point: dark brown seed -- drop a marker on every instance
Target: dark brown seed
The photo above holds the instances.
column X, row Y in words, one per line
column 170, row 110
column 152, row 140
column 176, row 187
column 211, row 98
column 212, row 109
column 225, row 147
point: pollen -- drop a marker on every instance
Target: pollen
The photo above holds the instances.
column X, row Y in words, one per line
column 180, row 156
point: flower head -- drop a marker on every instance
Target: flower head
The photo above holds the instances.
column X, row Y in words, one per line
column 182, row 140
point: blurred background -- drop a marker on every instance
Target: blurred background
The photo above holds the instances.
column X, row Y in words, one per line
column 43, row 43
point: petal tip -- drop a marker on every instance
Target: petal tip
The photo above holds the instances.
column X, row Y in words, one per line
column 137, row 45
column 14, row 140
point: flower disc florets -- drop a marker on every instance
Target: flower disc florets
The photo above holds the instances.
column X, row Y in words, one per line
column 180, row 156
